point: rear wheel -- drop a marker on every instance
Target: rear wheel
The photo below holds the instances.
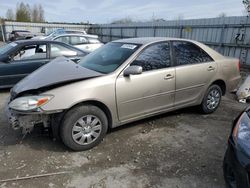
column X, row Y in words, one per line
column 211, row 99
column 83, row 127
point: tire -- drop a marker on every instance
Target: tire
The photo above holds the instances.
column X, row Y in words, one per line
column 83, row 127
column 211, row 100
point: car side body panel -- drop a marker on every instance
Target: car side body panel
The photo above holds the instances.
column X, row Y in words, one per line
column 148, row 94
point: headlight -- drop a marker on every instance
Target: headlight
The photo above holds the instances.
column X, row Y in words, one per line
column 29, row 103
column 241, row 132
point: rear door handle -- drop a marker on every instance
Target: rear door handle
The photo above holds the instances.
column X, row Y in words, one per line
column 211, row 68
column 168, row 76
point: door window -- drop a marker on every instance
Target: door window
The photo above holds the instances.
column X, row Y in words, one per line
column 77, row 40
column 188, row 53
column 63, row 39
column 59, row 50
column 31, row 52
column 154, row 57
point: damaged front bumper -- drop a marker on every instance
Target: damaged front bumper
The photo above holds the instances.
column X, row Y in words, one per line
column 26, row 121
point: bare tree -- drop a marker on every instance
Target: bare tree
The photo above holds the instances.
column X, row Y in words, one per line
column 247, row 5
column 40, row 13
column 10, row 15
column 35, row 14
column 26, row 14
column 23, row 12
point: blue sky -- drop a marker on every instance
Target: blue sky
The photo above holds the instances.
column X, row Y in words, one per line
column 105, row 11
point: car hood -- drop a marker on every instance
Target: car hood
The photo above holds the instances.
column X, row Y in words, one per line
column 58, row 71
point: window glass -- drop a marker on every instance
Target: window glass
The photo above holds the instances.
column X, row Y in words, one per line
column 31, row 52
column 6, row 47
column 154, row 57
column 63, row 39
column 93, row 41
column 75, row 40
column 188, row 53
column 109, row 57
column 59, row 50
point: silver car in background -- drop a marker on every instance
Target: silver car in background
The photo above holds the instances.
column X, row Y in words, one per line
column 84, row 42
column 121, row 82
column 59, row 32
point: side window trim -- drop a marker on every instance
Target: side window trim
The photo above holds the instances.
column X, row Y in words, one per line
column 21, row 47
column 155, row 43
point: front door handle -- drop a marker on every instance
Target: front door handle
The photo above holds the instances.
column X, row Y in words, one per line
column 168, row 76
column 211, row 68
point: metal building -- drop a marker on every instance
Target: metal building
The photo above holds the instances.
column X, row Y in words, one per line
column 228, row 35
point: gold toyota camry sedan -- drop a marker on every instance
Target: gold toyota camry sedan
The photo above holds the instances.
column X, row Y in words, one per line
column 123, row 81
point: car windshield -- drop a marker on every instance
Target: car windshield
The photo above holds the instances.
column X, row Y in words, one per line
column 109, row 57
column 7, row 47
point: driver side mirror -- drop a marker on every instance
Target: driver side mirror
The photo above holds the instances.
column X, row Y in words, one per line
column 132, row 70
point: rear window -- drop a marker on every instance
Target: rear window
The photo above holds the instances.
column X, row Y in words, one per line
column 7, row 47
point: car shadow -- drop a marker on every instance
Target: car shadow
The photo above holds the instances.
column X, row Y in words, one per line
column 40, row 139
column 147, row 121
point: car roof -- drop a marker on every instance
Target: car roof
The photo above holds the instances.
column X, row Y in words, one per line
column 75, row 30
column 38, row 41
column 20, row 31
column 77, row 35
column 148, row 40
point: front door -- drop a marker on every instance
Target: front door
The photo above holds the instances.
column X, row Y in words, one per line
column 153, row 90
column 24, row 61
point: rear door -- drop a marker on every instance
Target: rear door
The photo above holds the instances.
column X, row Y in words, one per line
column 194, row 71
column 23, row 61
column 153, row 90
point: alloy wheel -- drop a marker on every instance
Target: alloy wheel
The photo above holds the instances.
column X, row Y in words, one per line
column 213, row 99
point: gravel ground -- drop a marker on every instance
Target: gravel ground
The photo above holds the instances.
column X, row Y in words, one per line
column 181, row 149
column 178, row 149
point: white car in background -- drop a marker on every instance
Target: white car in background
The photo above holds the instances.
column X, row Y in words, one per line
column 86, row 42
column 59, row 32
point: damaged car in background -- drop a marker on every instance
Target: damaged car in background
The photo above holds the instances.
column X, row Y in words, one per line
column 120, row 82
column 243, row 93
column 20, row 58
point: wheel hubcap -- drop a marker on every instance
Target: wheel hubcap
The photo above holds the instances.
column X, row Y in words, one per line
column 86, row 129
column 213, row 99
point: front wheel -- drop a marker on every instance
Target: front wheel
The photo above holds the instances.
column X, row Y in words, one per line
column 211, row 99
column 83, row 127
